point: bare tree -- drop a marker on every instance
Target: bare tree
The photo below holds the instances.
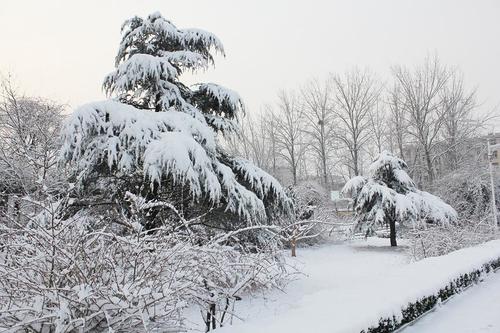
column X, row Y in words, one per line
column 254, row 142
column 29, row 131
column 290, row 132
column 422, row 103
column 397, row 121
column 319, row 116
column 378, row 125
column 355, row 95
column 459, row 121
column 270, row 135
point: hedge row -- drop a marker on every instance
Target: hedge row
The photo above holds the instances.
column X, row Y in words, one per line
column 416, row 309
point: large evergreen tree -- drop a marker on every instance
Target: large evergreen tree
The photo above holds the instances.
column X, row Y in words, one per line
column 388, row 196
column 158, row 138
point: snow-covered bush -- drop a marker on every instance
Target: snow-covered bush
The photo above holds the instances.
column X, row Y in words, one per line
column 158, row 137
column 64, row 275
column 388, row 196
column 439, row 240
column 468, row 190
column 315, row 217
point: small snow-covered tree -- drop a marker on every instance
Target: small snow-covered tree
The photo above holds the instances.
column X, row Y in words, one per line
column 158, row 137
column 388, row 196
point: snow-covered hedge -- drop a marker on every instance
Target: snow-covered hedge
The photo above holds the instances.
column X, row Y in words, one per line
column 438, row 279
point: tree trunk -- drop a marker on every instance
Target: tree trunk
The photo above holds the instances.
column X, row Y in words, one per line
column 158, row 105
column 355, row 161
column 392, row 226
column 401, row 153
column 325, row 173
column 211, row 320
column 428, row 160
column 293, row 245
column 294, row 172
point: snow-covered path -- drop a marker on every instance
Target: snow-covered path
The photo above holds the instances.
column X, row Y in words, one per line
column 340, row 279
column 349, row 287
column 475, row 310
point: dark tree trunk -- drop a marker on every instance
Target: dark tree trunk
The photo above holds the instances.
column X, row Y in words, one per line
column 293, row 245
column 392, row 226
column 428, row 160
column 158, row 105
column 211, row 320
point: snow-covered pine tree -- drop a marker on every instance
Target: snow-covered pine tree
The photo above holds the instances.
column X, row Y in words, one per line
column 158, row 138
column 388, row 196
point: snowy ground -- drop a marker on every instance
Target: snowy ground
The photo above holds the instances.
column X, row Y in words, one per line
column 348, row 287
column 337, row 278
column 473, row 311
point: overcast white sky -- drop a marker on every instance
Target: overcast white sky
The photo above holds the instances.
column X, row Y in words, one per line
column 62, row 49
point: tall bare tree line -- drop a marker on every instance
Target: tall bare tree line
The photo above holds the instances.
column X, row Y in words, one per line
column 331, row 129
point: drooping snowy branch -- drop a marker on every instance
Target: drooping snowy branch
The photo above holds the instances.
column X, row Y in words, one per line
column 153, row 54
column 263, row 184
column 389, row 195
column 166, row 144
column 119, row 134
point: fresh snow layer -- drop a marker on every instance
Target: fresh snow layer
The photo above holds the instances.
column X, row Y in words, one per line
column 475, row 310
column 347, row 288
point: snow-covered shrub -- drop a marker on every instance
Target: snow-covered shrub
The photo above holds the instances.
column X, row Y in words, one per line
column 65, row 275
column 439, row 240
column 307, row 197
column 314, row 219
column 388, row 196
column 468, row 190
column 158, row 137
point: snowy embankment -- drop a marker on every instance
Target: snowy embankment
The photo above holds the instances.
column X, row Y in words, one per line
column 349, row 288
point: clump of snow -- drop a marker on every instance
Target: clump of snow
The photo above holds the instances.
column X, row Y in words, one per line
column 432, row 208
column 354, row 185
column 119, row 133
column 222, row 95
column 260, row 181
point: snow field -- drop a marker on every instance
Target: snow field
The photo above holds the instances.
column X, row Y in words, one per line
column 348, row 288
